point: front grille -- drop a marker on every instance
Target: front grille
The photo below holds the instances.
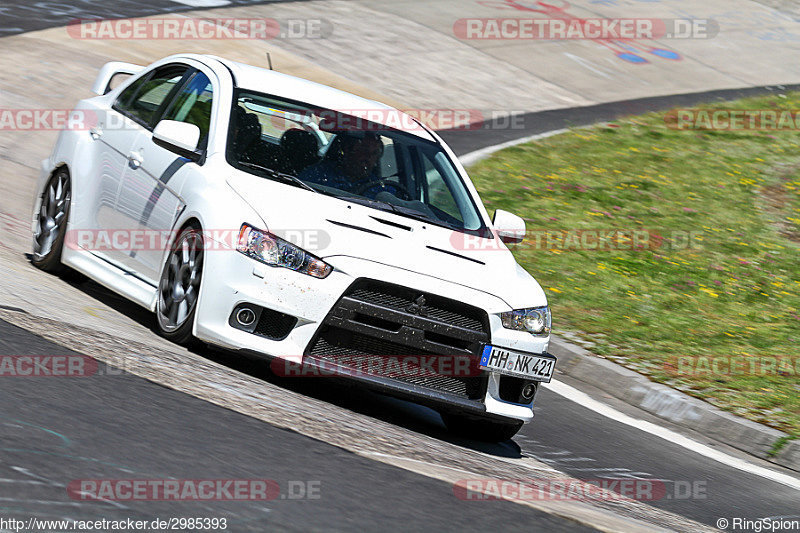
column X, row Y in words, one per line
column 360, row 351
column 374, row 319
column 444, row 310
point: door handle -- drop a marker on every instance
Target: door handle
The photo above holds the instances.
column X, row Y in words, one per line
column 135, row 160
column 96, row 132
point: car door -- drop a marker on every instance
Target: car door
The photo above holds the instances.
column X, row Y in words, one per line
column 160, row 175
column 142, row 109
column 112, row 139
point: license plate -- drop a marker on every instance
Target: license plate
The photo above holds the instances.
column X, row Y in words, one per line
column 532, row 367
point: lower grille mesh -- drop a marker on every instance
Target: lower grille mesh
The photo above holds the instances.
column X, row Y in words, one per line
column 274, row 324
column 375, row 319
column 361, row 350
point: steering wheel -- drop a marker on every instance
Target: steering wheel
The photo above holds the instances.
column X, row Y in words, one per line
column 383, row 182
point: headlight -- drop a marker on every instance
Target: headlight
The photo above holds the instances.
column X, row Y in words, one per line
column 274, row 251
column 535, row 320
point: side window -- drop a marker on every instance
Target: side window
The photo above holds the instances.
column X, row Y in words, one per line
column 116, row 80
column 150, row 93
column 129, row 93
column 192, row 104
column 439, row 194
column 387, row 166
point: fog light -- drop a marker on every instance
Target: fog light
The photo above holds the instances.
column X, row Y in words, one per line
column 245, row 316
column 528, row 390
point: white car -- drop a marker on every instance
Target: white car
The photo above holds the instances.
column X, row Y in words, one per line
column 264, row 213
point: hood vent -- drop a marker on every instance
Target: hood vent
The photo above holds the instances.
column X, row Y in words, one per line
column 448, row 252
column 393, row 224
column 358, row 228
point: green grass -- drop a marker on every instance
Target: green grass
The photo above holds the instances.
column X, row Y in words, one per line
column 734, row 292
column 779, row 445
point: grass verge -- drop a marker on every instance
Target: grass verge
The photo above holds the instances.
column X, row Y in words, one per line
column 700, row 286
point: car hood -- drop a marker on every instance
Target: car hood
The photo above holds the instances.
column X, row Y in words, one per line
column 329, row 227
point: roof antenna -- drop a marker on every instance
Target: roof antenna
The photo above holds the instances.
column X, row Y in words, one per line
column 269, row 60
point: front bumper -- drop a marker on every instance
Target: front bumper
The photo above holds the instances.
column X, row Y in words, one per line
column 317, row 306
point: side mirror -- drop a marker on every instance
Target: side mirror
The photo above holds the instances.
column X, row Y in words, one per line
column 509, row 227
column 178, row 137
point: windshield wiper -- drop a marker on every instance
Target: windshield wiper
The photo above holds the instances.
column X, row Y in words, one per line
column 423, row 217
column 400, row 210
column 272, row 173
column 369, row 202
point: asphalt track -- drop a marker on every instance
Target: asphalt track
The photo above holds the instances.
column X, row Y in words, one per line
column 498, row 131
column 128, row 427
column 113, row 425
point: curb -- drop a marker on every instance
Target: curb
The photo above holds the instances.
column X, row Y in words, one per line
column 670, row 404
column 789, row 456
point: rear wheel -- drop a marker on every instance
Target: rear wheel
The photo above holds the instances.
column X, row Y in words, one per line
column 51, row 222
column 485, row 430
column 179, row 287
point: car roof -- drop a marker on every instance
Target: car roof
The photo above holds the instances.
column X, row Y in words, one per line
column 322, row 96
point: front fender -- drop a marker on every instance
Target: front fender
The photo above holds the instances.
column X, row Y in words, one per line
column 213, row 203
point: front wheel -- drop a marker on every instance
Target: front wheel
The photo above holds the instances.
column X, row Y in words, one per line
column 51, row 222
column 484, row 430
column 179, row 287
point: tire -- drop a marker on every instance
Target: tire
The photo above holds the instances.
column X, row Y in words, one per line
column 483, row 430
column 51, row 222
column 179, row 287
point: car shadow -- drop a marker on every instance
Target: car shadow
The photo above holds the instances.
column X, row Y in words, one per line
column 335, row 391
column 359, row 399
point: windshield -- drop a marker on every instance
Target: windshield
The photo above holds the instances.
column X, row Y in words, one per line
column 347, row 157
